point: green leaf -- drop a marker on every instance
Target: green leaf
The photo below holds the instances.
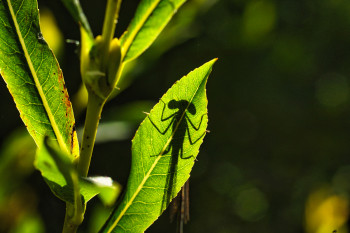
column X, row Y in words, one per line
column 60, row 173
column 58, row 170
column 163, row 153
column 34, row 77
column 150, row 18
column 74, row 8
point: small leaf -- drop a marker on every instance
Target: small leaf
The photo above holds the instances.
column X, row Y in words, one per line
column 34, row 77
column 150, row 18
column 163, row 153
column 59, row 172
column 74, row 8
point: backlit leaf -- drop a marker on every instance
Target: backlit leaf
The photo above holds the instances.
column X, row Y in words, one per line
column 163, row 153
column 33, row 76
column 150, row 18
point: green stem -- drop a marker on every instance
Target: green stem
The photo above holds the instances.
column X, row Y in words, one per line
column 110, row 20
column 93, row 115
column 95, row 103
column 70, row 225
column 75, row 213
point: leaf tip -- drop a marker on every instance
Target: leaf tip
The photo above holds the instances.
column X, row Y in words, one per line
column 214, row 60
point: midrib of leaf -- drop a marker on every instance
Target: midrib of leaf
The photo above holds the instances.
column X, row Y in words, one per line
column 133, row 34
column 36, row 80
column 129, row 203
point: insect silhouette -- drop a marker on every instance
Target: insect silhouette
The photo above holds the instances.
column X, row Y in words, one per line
column 180, row 123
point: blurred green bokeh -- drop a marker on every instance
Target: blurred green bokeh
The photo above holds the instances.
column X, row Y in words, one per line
column 278, row 155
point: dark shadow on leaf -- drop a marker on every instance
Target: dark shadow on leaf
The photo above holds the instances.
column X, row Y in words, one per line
column 179, row 123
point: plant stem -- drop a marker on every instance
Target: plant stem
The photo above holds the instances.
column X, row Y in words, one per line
column 110, row 20
column 74, row 217
column 74, row 213
column 70, row 226
column 95, row 103
column 93, row 115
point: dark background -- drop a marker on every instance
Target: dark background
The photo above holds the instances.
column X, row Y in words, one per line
column 278, row 113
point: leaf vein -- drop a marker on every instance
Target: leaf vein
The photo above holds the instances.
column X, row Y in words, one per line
column 19, row 8
column 35, row 77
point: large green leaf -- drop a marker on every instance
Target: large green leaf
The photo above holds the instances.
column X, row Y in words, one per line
column 33, row 76
column 150, row 18
column 163, row 153
column 61, row 175
column 74, row 8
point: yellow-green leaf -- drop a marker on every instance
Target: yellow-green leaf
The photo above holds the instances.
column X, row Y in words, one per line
column 163, row 153
column 33, row 76
column 150, row 18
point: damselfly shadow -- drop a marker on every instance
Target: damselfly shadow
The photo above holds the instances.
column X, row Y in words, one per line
column 180, row 123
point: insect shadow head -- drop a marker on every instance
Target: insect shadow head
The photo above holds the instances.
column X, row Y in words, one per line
column 182, row 105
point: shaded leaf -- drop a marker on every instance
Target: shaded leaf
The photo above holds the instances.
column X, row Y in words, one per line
column 57, row 169
column 78, row 15
column 34, row 77
column 150, row 18
column 163, row 153
column 59, row 172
